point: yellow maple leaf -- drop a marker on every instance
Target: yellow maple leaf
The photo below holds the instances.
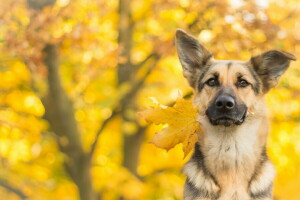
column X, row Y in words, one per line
column 183, row 126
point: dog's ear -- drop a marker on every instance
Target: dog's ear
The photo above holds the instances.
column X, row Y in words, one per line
column 270, row 66
column 192, row 55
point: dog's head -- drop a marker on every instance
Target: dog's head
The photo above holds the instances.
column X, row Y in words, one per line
column 226, row 89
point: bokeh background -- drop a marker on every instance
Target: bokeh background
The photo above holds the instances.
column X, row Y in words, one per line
column 73, row 75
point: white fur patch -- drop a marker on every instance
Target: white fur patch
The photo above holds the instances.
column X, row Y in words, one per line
column 228, row 148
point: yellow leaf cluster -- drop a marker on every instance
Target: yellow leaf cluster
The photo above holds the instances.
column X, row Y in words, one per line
column 183, row 126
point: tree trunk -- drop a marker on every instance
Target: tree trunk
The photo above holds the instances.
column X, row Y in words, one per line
column 132, row 147
column 131, row 143
column 125, row 26
column 60, row 114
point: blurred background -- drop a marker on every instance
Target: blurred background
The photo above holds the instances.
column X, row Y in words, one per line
column 74, row 74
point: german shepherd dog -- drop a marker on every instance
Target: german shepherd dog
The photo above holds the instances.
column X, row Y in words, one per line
column 230, row 160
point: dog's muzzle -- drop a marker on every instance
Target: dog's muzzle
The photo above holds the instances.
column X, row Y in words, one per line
column 225, row 111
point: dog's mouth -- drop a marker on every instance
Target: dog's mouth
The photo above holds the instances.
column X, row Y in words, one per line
column 227, row 120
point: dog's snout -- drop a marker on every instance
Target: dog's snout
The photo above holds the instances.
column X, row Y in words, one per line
column 225, row 103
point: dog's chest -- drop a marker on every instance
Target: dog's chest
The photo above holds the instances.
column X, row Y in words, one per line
column 228, row 153
column 230, row 162
column 230, row 157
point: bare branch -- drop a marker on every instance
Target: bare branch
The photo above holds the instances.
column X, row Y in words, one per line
column 104, row 124
column 39, row 4
column 145, row 60
column 126, row 98
column 12, row 189
column 135, row 88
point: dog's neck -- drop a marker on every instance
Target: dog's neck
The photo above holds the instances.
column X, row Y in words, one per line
column 233, row 151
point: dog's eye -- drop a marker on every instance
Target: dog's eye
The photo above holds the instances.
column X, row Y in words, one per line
column 212, row 82
column 242, row 83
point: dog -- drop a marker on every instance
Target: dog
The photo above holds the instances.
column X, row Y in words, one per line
column 230, row 160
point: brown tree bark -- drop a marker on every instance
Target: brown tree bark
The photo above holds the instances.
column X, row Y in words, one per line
column 131, row 142
column 4, row 184
column 125, row 26
column 132, row 146
column 60, row 115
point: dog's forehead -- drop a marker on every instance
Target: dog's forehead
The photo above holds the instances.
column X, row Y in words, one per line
column 234, row 66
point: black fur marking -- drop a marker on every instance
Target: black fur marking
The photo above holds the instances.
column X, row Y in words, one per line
column 259, row 165
column 267, row 191
column 203, row 73
column 227, row 149
column 216, row 75
column 198, row 158
column 229, row 65
column 257, row 85
column 263, row 193
column 195, row 192
column 202, row 83
column 237, row 152
column 192, row 192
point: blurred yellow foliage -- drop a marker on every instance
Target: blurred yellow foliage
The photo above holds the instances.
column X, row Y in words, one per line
column 113, row 55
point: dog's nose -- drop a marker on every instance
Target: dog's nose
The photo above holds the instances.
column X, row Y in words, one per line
column 224, row 103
